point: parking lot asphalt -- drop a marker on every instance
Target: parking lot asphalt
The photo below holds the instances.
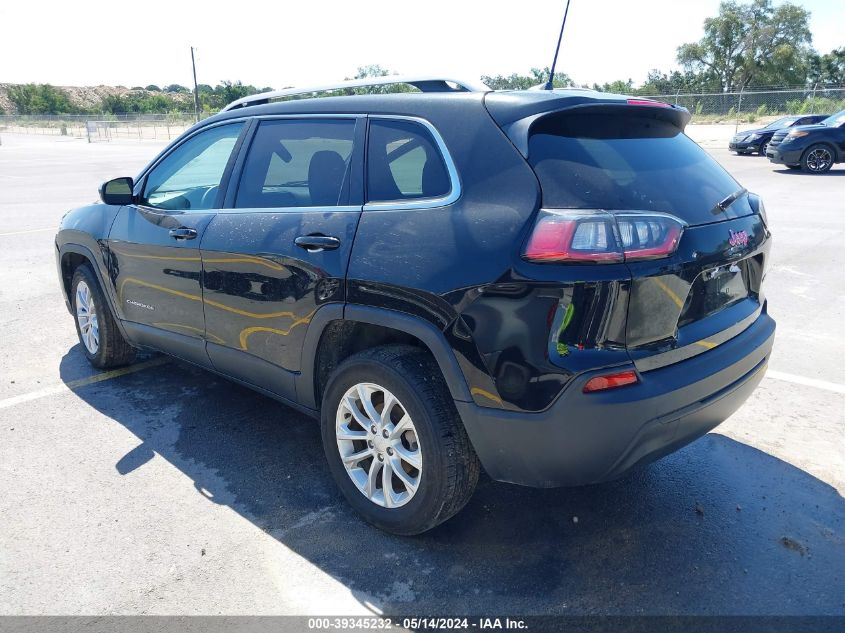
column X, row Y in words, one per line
column 163, row 489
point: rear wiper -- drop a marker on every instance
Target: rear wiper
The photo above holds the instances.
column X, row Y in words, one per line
column 723, row 205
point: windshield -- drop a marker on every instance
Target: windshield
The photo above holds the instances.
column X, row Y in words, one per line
column 613, row 162
column 835, row 120
column 784, row 122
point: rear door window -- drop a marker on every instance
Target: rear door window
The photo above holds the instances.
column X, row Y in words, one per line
column 403, row 163
column 298, row 163
column 616, row 162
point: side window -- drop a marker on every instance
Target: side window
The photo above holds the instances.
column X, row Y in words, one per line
column 298, row 163
column 188, row 179
column 403, row 163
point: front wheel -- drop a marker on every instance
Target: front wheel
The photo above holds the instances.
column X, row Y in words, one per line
column 394, row 441
column 817, row 159
column 101, row 340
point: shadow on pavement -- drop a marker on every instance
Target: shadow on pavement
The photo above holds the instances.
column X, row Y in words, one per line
column 717, row 528
column 798, row 172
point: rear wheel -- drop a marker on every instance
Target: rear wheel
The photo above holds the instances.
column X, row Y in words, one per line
column 763, row 148
column 817, row 159
column 394, row 441
column 101, row 340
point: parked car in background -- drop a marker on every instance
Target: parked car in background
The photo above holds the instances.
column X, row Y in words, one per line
column 751, row 141
column 554, row 285
column 813, row 148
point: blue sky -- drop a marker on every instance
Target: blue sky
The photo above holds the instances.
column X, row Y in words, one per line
column 279, row 44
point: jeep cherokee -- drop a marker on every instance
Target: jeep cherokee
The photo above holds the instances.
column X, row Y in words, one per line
column 554, row 285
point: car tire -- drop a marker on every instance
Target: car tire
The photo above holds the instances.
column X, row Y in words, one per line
column 99, row 336
column 763, row 148
column 421, row 434
column 817, row 159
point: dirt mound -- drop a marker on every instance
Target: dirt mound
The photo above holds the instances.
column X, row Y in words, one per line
column 90, row 97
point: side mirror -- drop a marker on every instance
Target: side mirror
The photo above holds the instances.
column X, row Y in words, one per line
column 117, row 191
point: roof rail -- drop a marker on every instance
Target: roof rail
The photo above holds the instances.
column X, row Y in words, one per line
column 424, row 84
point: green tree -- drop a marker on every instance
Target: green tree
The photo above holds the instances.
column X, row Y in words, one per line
column 114, row 104
column 153, row 88
column 41, row 99
column 618, row 87
column 176, row 88
column 221, row 95
column 139, row 103
column 372, row 70
column 827, row 69
column 660, row 83
column 231, row 91
column 536, row 77
column 751, row 44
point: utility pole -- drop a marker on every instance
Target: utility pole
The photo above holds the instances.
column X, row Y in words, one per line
column 196, row 88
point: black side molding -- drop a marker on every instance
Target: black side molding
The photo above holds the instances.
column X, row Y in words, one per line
column 430, row 335
column 108, row 289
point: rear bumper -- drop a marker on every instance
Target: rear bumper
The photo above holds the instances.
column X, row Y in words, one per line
column 590, row 438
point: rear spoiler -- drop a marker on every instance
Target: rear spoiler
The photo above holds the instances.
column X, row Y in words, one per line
column 519, row 130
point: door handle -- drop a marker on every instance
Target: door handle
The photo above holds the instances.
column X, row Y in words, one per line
column 183, row 233
column 317, row 243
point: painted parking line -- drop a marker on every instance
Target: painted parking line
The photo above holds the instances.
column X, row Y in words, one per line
column 27, row 232
column 807, row 382
column 82, row 382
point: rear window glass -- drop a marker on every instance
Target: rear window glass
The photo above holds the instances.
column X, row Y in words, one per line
column 403, row 163
column 602, row 161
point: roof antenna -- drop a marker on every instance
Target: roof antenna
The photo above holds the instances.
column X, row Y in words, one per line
column 549, row 84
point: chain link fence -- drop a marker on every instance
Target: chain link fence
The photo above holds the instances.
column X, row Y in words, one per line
column 100, row 127
column 734, row 108
column 749, row 106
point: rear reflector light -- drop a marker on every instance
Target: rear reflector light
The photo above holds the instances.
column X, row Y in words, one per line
column 611, row 381
column 648, row 102
column 601, row 237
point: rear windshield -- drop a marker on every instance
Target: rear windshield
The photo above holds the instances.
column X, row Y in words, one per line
column 608, row 161
column 784, row 122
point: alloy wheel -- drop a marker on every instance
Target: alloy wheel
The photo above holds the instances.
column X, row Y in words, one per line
column 378, row 445
column 819, row 159
column 86, row 316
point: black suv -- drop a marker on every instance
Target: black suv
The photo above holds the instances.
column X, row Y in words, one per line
column 813, row 148
column 554, row 285
column 749, row 141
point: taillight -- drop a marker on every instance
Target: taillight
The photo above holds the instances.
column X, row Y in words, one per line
column 648, row 102
column 602, row 237
column 573, row 236
column 611, row 381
